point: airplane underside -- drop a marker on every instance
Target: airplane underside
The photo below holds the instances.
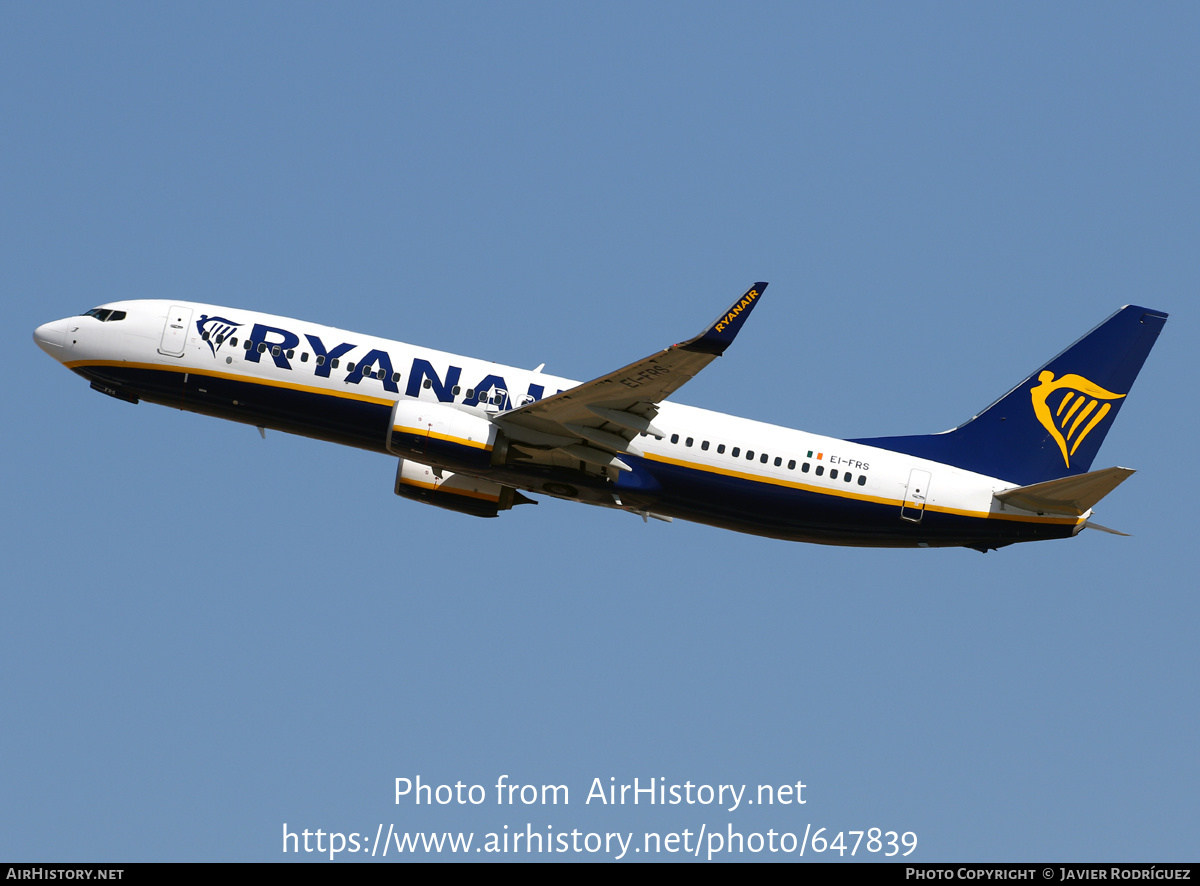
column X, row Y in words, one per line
column 650, row 488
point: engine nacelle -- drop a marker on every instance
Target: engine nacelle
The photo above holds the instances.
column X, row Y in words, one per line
column 455, row 492
column 440, row 434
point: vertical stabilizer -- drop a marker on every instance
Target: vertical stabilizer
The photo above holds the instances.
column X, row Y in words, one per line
column 1052, row 424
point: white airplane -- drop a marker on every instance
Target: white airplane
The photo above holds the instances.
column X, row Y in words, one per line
column 473, row 436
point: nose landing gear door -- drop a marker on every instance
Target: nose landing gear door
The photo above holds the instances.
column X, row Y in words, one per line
column 175, row 331
column 915, row 496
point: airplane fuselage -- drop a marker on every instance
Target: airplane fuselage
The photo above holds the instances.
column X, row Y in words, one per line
column 344, row 387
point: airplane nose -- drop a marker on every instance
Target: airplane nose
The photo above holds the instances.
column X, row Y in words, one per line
column 51, row 338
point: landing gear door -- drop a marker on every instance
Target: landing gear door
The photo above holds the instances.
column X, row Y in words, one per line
column 915, row 496
column 175, row 331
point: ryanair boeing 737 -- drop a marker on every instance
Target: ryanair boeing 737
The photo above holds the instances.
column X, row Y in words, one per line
column 473, row 436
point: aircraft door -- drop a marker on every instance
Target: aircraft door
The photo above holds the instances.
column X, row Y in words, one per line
column 175, row 331
column 915, row 496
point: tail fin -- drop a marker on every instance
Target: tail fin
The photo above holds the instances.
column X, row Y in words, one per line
column 1052, row 424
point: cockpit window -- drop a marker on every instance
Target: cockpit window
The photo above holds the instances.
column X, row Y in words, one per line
column 105, row 315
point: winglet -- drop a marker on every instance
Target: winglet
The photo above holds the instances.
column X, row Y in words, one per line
column 725, row 328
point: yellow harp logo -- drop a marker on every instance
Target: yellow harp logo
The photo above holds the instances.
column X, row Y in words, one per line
column 1069, row 421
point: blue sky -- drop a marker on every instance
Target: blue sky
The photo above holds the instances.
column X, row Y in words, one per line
column 208, row 635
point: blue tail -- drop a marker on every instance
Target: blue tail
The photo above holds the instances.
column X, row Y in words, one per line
column 1052, row 424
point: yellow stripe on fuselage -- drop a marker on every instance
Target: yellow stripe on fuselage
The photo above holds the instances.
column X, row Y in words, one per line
column 425, row 432
column 250, row 379
column 856, row 496
column 269, row 382
column 382, row 401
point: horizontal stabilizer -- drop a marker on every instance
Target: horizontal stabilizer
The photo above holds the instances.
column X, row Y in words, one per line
column 1090, row 525
column 1070, row 496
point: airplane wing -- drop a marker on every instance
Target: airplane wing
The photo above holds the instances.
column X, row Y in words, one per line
column 595, row 421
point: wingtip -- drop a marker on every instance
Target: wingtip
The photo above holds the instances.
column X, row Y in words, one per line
column 722, row 331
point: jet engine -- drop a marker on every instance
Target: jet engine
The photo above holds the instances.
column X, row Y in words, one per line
column 455, row 492
column 444, row 435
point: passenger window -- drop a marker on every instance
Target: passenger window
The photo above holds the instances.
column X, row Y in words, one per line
column 820, row 470
column 674, row 438
column 847, row 476
column 455, row 390
column 792, row 465
column 291, row 353
column 427, row 385
column 247, row 344
column 862, row 479
column 763, row 458
column 833, row 474
column 395, row 376
column 778, row 461
column 275, row 351
column 304, row 356
column 262, row 347
column 470, row 393
column 350, row 366
column 749, row 455
column 687, row 442
column 333, row 364
column 204, row 335
column 320, row 359
column 721, row 448
column 233, row 342
column 704, row 445
column 735, row 452
column 220, row 339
